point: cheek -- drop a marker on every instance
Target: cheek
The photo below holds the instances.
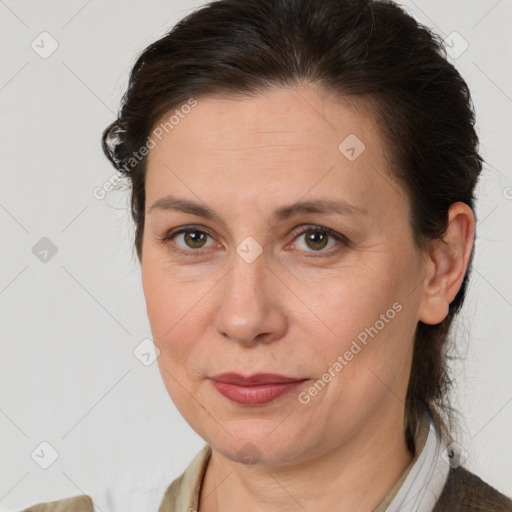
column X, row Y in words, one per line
column 164, row 296
column 346, row 303
column 158, row 305
column 375, row 337
column 172, row 336
column 367, row 367
column 370, row 333
column 176, row 317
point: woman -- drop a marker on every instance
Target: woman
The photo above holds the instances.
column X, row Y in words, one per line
column 303, row 177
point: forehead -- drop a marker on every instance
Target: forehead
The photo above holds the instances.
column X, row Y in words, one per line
column 283, row 144
column 290, row 115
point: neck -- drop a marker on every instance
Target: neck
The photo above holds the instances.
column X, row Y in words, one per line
column 356, row 476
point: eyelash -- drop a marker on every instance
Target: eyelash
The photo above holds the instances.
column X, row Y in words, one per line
column 341, row 239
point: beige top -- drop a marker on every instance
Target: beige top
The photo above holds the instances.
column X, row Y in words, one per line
column 183, row 494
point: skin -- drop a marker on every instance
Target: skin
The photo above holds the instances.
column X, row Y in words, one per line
column 288, row 311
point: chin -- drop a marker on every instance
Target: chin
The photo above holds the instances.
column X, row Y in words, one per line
column 255, row 441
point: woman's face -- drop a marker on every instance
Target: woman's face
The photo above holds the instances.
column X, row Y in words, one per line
column 243, row 290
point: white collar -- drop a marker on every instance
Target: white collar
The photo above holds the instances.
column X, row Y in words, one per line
column 426, row 478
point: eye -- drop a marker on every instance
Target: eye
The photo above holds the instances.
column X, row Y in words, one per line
column 317, row 238
column 192, row 240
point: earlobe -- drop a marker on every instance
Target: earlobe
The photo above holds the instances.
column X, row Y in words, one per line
column 447, row 264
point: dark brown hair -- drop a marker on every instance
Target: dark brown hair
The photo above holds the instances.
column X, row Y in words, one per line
column 362, row 49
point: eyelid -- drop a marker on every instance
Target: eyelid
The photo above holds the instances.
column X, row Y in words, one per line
column 169, row 235
column 314, row 227
column 340, row 238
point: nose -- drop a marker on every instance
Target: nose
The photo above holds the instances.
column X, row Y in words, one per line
column 251, row 303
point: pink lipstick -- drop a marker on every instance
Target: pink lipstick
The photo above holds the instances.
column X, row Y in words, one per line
column 257, row 389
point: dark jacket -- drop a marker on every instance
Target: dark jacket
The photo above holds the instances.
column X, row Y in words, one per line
column 466, row 492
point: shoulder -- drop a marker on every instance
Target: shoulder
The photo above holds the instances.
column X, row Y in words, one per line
column 464, row 491
column 171, row 495
column 80, row 503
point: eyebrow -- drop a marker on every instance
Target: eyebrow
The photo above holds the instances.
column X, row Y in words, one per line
column 323, row 206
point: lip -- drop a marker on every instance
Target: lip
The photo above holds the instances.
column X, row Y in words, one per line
column 255, row 379
column 257, row 389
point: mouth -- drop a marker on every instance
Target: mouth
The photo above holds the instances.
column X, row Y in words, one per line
column 257, row 389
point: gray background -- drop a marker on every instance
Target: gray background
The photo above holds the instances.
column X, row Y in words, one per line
column 71, row 323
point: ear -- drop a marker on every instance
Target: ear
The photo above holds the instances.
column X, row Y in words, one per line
column 446, row 264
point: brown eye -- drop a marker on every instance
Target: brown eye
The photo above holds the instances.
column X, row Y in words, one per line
column 194, row 239
column 315, row 239
column 188, row 241
column 325, row 241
